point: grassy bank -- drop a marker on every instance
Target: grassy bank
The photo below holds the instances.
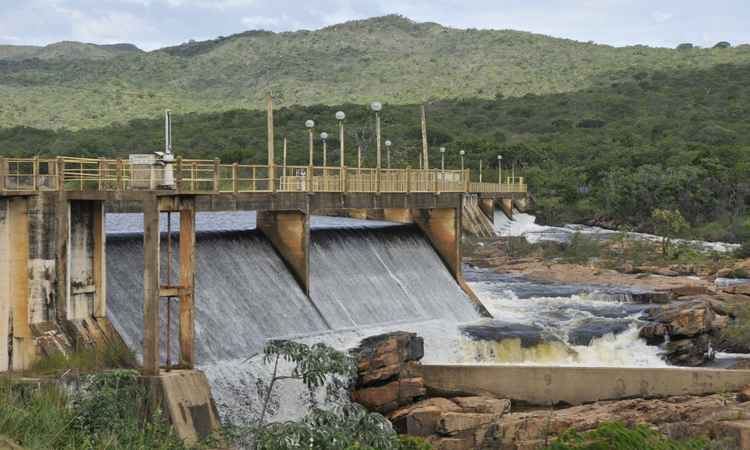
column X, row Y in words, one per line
column 108, row 411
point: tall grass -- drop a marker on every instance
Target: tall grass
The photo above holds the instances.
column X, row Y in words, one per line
column 616, row 436
column 107, row 412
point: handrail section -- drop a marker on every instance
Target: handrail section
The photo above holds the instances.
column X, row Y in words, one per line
column 211, row 176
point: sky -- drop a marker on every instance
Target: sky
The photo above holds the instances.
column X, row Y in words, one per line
column 152, row 24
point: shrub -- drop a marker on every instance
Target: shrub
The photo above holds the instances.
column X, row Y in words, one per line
column 616, row 436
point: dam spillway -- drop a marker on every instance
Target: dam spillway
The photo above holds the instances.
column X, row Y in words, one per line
column 363, row 274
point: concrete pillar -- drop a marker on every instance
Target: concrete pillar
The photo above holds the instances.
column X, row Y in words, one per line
column 16, row 340
column 289, row 233
column 5, row 279
column 151, row 286
column 400, row 215
column 86, row 261
column 187, row 291
column 42, row 271
column 506, row 204
column 487, row 206
column 360, row 214
column 442, row 226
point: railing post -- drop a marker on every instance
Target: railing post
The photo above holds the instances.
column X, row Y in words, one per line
column 272, row 176
column 34, row 173
column 3, row 172
column 60, row 168
column 178, row 175
column 235, row 181
column 119, row 175
column 408, row 180
column 102, row 168
column 309, row 178
column 216, row 175
column 343, row 178
column 467, row 176
column 437, row 185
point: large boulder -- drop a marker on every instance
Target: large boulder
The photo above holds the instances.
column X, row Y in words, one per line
column 388, row 371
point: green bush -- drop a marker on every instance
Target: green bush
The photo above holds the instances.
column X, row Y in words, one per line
column 108, row 412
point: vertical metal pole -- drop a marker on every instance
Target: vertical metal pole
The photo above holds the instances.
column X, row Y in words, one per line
column 378, row 157
column 341, row 144
column 312, row 161
column 425, row 149
column 325, row 159
column 359, row 159
column 283, row 172
column 271, row 156
column 480, row 170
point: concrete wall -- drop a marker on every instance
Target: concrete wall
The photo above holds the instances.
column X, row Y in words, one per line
column 4, row 282
column 16, row 343
column 541, row 385
column 86, row 273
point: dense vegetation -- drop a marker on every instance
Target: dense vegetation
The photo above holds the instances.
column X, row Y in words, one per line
column 106, row 413
column 390, row 58
column 616, row 436
column 676, row 140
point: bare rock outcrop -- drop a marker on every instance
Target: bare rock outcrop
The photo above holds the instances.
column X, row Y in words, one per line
column 387, row 371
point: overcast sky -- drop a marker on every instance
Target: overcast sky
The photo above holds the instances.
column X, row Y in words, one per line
column 151, row 24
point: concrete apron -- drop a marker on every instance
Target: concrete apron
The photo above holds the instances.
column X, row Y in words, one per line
column 185, row 397
column 545, row 385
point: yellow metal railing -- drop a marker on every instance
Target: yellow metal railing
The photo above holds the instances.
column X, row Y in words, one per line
column 211, row 176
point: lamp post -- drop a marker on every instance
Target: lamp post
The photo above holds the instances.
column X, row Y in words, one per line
column 323, row 137
column 442, row 159
column 462, row 153
column 376, row 107
column 340, row 116
column 500, row 170
column 388, row 153
column 311, row 129
column 480, row 170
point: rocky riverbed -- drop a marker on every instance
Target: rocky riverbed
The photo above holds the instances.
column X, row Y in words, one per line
column 389, row 382
column 689, row 307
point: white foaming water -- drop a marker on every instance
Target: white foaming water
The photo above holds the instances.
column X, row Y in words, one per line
column 525, row 225
column 584, row 329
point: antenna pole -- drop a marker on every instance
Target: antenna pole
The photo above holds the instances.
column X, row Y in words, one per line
column 425, row 155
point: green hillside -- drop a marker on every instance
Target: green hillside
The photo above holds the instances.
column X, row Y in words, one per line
column 662, row 139
column 390, row 58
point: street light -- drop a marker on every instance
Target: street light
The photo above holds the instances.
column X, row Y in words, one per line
column 388, row 152
column 310, row 127
column 377, row 106
column 323, row 137
column 500, row 169
column 340, row 116
column 442, row 158
column 462, row 153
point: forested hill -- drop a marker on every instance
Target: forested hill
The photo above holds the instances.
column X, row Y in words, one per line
column 652, row 139
column 392, row 59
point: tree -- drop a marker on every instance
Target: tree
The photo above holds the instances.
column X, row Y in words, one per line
column 685, row 46
column 723, row 44
column 340, row 425
column 669, row 224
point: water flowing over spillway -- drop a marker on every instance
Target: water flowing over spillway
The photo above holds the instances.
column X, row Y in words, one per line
column 245, row 295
